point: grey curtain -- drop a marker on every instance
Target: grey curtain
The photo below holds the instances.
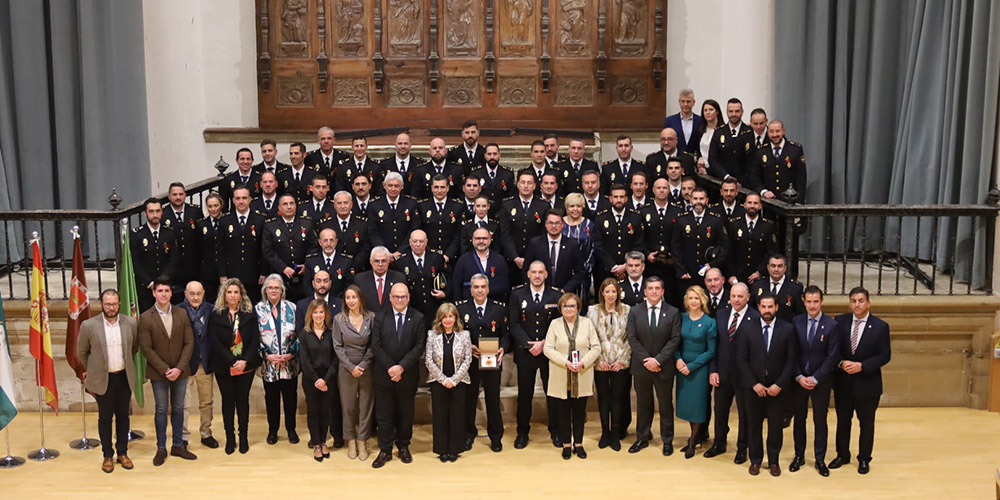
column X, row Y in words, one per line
column 72, row 106
column 894, row 102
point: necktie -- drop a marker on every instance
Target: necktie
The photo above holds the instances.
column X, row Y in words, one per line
column 329, row 261
column 625, row 169
column 619, row 217
column 734, row 132
column 402, row 167
column 715, row 302
column 732, row 325
column 289, row 225
column 215, row 224
column 593, row 205
column 378, row 290
column 777, row 152
column 697, row 220
column 538, row 298
column 420, row 263
column 326, row 163
column 635, row 288
column 576, row 166
column 688, row 207
column 471, row 207
column 525, row 205
column 243, row 179
column 438, row 169
column 855, row 337
column 812, row 330
column 652, row 318
column 360, row 166
column 676, row 193
column 482, row 223
column 774, row 288
column 392, row 206
column 364, row 205
column 480, row 310
column 156, row 235
column 759, row 142
column 318, row 207
column 399, row 324
column 493, row 174
column 298, row 177
column 440, row 206
column 243, row 221
column 767, row 338
column 180, row 216
column 267, row 204
column 750, row 227
column 552, row 256
column 729, row 212
column 472, row 157
column 662, row 211
column 343, row 225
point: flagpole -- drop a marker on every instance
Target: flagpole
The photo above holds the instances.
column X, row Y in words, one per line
column 42, row 454
column 10, row 462
column 84, row 443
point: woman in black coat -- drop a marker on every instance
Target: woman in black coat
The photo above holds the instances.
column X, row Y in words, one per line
column 236, row 354
column 319, row 366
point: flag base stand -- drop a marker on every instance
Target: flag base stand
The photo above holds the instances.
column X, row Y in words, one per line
column 43, row 454
column 10, row 462
column 85, row 443
column 134, row 435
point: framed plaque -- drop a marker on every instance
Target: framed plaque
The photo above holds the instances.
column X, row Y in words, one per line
column 489, row 347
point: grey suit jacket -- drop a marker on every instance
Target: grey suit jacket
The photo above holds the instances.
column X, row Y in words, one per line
column 353, row 347
column 92, row 348
column 659, row 343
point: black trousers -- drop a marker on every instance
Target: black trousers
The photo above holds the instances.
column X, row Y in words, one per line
column 449, row 409
column 728, row 391
column 820, row 397
column 847, row 406
column 278, row 393
column 235, row 391
column 772, row 409
column 114, row 404
column 571, row 415
column 318, row 408
column 336, row 422
column 645, row 386
column 527, row 367
column 614, row 401
column 394, row 409
column 490, row 381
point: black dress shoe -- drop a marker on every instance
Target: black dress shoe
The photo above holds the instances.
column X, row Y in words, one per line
column 468, row 443
column 616, row 445
column 293, row 437
column 556, row 441
column 210, row 442
column 638, row 446
column 404, row 455
column 443, row 457
column 754, row 469
column 785, row 422
column 668, row 449
column 452, row 457
column 797, row 462
column 230, row 446
column 863, row 467
column 741, row 457
column 775, row 469
column 604, row 441
column 714, row 451
column 579, row 451
column 381, row 459
column 838, row 462
column 338, row 442
column 689, row 452
column 821, row 468
column 520, row 442
column 272, row 438
column 567, row 453
column 496, row 446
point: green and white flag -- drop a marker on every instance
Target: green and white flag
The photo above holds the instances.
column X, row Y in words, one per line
column 8, row 403
column 130, row 307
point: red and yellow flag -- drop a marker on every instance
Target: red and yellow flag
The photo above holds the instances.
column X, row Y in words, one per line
column 40, row 339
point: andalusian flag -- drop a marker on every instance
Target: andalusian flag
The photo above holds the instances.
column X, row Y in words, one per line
column 8, row 403
column 40, row 339
column 130, row 307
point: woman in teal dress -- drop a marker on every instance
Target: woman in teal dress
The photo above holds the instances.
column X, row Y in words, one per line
column 698, row 338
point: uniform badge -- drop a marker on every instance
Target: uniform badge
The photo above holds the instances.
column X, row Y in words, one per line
column 429, row 214
column 513, row 212
column 708, row 232
column 253, row 231
column 612, row 176
column 607, row 224
column 340, row 274
column 204, row 230
column 357, row 237
column 230, row 228
column 406, row 270
column 630, row 229
column 722, row 139
column 763, row 157
column 277, row 233
column 452, row 214
column 428, row 176
column 493, row 326
column 524, row 304
column 739, row 233
column 687, row 229
column 407, row 213
column 145, row 242
column 648, row 217
column 566, row 173
column 482, row 182
column 774, row 238
column 232, row 184
column 316, row 269
column 467, row 319
column 381, row 213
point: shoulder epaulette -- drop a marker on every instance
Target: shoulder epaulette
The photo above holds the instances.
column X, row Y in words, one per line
column 518, row 287
column 501, row 304
column 793, row 143
column 461, row 302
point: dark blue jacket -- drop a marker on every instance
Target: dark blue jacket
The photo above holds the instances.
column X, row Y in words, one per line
column 202, row 343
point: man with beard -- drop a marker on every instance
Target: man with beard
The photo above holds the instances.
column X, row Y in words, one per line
column 337, row 265
column 182, row 218
column 497, row 180
column 639, row 186
column 361, row 188
column 656, row 163
column 552, row 157
column 469, row 155
column 485, row 260
column 439, row 165
column 699, row 242
column 731, row 144
column 751, row 240
column 617, row 231
column 549, row 191
column 317, row 208
column 593, row 202
column 269, row 159
column 471, row 189
column 285, row 243
column 674, row 174
column 266, row 205
column 728, row 208
column 560, row 255
column 786, row 291
column 481, row 218
column 154, row 250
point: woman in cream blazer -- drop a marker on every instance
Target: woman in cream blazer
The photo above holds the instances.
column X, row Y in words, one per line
column 570, row 383
column 448, row 357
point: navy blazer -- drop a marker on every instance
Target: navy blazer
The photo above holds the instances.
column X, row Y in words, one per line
column 774, row 366
column 405, row 348
column 694, row 145
column 873, row 352
column 468, row 266
column 203, row 344
column 570, row 272
column 660, row 343
column 820, row 357
column 724, row 362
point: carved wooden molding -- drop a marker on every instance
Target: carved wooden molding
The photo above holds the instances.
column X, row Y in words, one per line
column 461, row 28
column 658, row 60
column 264, row 59
column 517, row 91
column 432, row 59
column 628, row 90
column 351, row 26
column 546, row 72
column 462, row 91
column 490, row 56
column 295, row 91
column 574, row 91
column 630, row 20
column 602, row 55
column 406, row 28
column 379, row 73
column 574, row 23
column 321, row 60
column 294, row 29
column 407, row 93
column 351, row 92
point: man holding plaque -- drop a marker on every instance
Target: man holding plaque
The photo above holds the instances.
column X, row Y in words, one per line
column 486, row 321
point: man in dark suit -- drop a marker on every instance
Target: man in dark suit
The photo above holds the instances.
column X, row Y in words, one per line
column 352, row 231
column 296, row 180
column 154, row 252
column 521, row 220
column 728, row 208
column 360, row 163
column 484, row 317
column 376, row 282
column 240, row 254
column 552, row 157
column 767, row 356
column 731, row 145
column 819, row 353
column 485, row 260
column 497, row 180
column 441, row 219
column 593, row 201
column 321, row 283
column 338, row 266
column 633, row 284
column 620, row 170
column 398, row 340
column 469, row 155
column 716, row 290
column 779, row 166
column 656, row 163
column 267, row 204
column 686, row 123
column 530, row 310
column 616, row 232
column 404, row 163
column 438, row 165
column 245, row 175
column 420, row 267
column 752, row 239
column 574, row 166
column 393, row 217
column 182, row 218
column 268, row 159
column 865, row 349
column 787, row 292
column 318, row 207
column 699, row 242
column 325, row 159
column 560, row 255
column 732, row 323
column 654, row 333
column 285, row 243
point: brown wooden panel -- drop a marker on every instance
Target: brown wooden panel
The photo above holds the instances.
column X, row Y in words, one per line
column 433, row 63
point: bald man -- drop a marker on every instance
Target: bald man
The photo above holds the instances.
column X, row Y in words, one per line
column 656, row 162
column 198, row 311
column 421, row 267
column 404, row 163
column 438, row 165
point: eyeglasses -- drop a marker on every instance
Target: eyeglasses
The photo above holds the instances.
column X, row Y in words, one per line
column 399, row 297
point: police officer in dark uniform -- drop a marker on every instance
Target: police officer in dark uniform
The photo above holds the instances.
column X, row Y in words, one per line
column 267, row 205
column 325, row 159
column 620, row 170
column 497, row 180
column 617, row 231
column 154, row 252
column 728, row 207
column 539, row 167
column 779, row 166
column 787, row 292
column 593, row 201
column 352, row 231
column 751, row 240
column 296, row 180
column 656, row 162
column 469, row 155
column 240, row 235
column 393, row 217
column 404, row 163
column 482, row 218
column 521, row 218
column 441, row 220
column 317, row 208
column 699, row 240
column 269, row 161
column 286, row 242
column 531, row 308
column 634, row 284
column 659, row 218
column 328, row 259
column 182, row 218
column 208, row 245
column 573, row 167
column 361, row 193
column 731, row 145
column 359, row 163
column 484, row 318
column 424, row 270
column 438, row 165
column 245, row 175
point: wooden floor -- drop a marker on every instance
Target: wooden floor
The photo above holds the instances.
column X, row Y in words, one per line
column 939, row 453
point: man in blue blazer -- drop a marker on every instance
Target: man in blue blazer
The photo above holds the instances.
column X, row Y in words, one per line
column 482, row 260
column 567, row 272
column 819, row 352
column 857, row 388
column 687, row 123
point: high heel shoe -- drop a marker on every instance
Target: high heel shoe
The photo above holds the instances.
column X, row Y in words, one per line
column 244, row 444
column 689, row 450
column 318, row 453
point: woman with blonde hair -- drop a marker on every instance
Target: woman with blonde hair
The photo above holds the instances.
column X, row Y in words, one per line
column 319, row 370
column 579, row 229
column 572, row 346
column 612, row 375
column 235, row 355
column 448, row 357
column 698, row 337
column 352, row 333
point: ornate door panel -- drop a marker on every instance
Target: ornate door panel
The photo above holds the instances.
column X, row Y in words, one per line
column 354, row 64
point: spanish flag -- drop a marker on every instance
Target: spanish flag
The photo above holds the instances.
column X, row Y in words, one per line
column 40, row 339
